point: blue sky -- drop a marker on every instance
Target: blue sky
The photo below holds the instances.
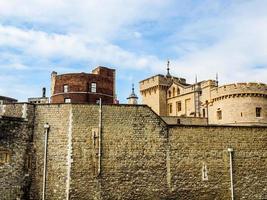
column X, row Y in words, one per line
column 136, row 37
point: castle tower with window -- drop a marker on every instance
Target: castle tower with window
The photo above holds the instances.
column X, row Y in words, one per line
column 155, row 91
column 233, row 104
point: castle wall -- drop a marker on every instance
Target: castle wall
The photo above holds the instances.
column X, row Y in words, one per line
column 16, row 152
column 133, row 154
column 141, row 156
column 192, row 147
column 58, row 117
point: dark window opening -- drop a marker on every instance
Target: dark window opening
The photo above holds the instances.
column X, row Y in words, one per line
column 219, row 114
column 179, row 106
column 170, row 93
column 204, row 112
column 258, row 112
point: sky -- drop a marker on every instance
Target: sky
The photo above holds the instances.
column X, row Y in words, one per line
column 135, row 37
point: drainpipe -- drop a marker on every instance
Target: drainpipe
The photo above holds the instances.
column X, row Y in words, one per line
column 46, row 127
column 99, row 137
column 207, row 105
column 230, row 150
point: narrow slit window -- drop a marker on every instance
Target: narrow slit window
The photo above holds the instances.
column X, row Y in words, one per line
column 170, row 93
column 258, row 112
column 170, row 108
column 178, row 91
column 219, row 114
column 179, row 106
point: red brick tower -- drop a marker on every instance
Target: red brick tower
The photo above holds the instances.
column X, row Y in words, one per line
column 84, row 87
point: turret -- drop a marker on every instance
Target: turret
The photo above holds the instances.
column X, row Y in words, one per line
column 132, row 99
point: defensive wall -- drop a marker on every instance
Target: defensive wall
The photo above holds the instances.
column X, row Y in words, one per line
column 16, row 152
column 133, row 154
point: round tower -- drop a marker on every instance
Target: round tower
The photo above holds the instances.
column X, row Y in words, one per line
column 239, row 104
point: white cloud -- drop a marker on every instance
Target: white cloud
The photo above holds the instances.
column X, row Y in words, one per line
column 228, row 37
column 237, row 44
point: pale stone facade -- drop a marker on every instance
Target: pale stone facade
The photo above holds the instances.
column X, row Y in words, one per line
column 234, row 104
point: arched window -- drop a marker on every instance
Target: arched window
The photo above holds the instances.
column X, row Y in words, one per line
column 178, row 91
column 170, row 93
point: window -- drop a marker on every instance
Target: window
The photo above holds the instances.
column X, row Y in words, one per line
column 170, row 93
column 170, row 108
column 65, row 88
column 67, row 100
column 173, row 91
column 93, row 87
column 219, row 114
column 179, row 106
column 204, row 112
column 258, row 112
column 178, row 91
column 4, row 157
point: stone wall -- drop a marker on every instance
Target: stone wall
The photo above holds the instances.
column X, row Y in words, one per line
column 133, row 153
column 15, row 168
column 134, row 144
column 194, row 147
column 58, row 118
column 172, row 120
column 141, row 157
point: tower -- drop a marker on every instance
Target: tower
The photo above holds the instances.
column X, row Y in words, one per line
column 154, row 91
column 132, row 99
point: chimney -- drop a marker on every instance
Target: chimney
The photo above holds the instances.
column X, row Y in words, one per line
column 44, row 91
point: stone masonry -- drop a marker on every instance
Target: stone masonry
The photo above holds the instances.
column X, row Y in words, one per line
column 16, row 145
column 141, row 157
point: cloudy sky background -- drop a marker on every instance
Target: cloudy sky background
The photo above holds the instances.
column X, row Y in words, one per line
column 136, row 37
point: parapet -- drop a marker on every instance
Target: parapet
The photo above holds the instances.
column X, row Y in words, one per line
column 207, row 83
column 159, row 80
column 239, row 88
column 17, row 110
column 153, row 81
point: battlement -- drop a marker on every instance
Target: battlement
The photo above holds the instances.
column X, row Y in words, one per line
column 17, row 110
column 239, row 88
column 159, row 80
column 154, row 81
column 207, row 83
